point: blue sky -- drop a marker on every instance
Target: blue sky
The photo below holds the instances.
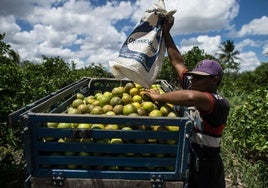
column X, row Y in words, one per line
column 92, row 31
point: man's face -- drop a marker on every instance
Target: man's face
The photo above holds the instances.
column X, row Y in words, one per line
column 201, row 82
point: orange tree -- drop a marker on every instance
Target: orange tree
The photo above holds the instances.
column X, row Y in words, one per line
column 245, row 146
column 249, row 131
column 22, row 83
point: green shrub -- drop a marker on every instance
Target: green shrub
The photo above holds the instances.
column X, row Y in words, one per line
column 248, row 125
column 245, row 140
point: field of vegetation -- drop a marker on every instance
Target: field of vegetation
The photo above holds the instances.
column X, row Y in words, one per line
column 245, row 142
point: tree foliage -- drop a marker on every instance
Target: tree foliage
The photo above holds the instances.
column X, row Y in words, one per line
column 4, row 48
column 10, row 76
column 168, row 73
column 241, row 84
column 228, row 56
column 192, row 57
column 6, row 51
column 22, row 83
column 249, row 131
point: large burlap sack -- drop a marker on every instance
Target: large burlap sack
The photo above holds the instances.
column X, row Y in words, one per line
column 142, row 54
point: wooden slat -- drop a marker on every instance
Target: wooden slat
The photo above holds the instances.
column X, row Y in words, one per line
column 100, row 183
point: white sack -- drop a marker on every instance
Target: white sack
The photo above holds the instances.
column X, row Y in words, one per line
column 142, row 54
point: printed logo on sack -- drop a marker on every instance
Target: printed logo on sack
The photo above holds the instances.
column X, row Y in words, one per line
column 143, row 44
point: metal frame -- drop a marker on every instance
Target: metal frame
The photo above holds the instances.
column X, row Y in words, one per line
column 49, row 109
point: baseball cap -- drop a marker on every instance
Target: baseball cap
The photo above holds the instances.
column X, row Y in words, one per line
column 207, row 67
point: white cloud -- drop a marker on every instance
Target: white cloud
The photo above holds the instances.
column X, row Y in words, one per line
column 44, row 49
column 57, row 25
column 265, row 49
column 79, row 63
column 255, row 27
column 246, row 43
column 21, row 8
column 210, row 45
column 249, row 61
column 138, row 10
column 57, row 28
column 201, row 16
column 103, row 56
column 8, row 25
column 42, row 40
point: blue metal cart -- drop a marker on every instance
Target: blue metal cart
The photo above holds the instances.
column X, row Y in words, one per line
column 78, row 161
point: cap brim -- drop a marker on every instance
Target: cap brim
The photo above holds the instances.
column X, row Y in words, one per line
column 197, row 73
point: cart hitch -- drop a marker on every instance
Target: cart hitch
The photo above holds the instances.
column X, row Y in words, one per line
column 58, row 179
column 157, row 181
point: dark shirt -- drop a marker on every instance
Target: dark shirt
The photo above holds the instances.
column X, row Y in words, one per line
column 214, row 120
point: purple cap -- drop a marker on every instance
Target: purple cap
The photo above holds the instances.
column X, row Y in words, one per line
column 207, row 67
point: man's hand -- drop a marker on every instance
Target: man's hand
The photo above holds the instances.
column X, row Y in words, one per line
column 152, row 93
column 168, row 25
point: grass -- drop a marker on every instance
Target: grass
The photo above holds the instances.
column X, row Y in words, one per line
column 241, row 172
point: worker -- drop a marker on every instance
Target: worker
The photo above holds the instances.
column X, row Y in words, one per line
column 199, row 91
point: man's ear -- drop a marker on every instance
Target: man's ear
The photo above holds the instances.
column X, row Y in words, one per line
column 216, row 80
